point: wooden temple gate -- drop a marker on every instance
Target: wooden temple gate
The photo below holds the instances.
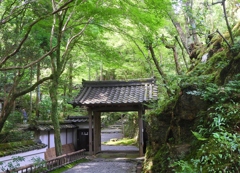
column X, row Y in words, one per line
column 114, row 96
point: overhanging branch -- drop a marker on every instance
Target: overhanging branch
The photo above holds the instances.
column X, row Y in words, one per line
column 31, row 88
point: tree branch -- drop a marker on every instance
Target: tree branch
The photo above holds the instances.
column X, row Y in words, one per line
column 223, row 38
column 226, row 19
column 25, row 91
column 150, row 48
column 30, row 64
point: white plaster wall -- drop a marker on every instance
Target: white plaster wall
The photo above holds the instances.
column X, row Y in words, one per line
column 52, row 144
column 44, row 137
column 63, row 137
column 27, row 158
column 69, row 136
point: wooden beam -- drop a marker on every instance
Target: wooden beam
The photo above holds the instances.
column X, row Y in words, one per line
column 140, row 123
column 115, row 108
column 90, row 132
column 97, row 132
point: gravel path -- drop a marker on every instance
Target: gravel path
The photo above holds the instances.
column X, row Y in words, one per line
column 105, row 166
column 119, row 163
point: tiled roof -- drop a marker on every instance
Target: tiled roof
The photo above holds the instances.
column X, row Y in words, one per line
column 47, row 125
column 116, row 92
column 78, row 119
column 19, row 147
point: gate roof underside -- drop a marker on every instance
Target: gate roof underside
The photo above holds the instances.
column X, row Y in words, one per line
column 115, row 95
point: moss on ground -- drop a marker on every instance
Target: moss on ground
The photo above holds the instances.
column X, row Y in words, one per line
column 69, row 166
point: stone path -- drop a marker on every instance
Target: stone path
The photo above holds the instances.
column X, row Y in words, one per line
column 114, row 132
column 112, row 159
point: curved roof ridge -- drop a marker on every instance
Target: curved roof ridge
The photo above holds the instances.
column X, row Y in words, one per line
column 127, row 82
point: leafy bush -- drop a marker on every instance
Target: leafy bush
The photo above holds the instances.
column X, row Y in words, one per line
column 12, row 165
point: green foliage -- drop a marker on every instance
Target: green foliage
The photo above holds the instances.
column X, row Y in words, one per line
column 130, row 125
column 183, row 167
column 13, row 119
column 44, row 108
column 199, row 136
column 12, row 165
column 110, row 118
column 161, row 160
column 39, row 164
column 219, row 154
column 235, row 48
column 218, row 142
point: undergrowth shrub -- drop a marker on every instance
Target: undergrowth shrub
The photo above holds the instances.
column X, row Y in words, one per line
column 218, row 141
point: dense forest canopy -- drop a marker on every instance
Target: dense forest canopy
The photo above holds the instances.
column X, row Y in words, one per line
column 48, row 47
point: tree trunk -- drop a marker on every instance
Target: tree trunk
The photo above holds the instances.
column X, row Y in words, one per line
column 54, row 115
column 64, row 108
column 70, row 78
column 182, row 35
column 175, row 54
column 6, row 111
column 183, row 55
column 191, row 22
column 38, row 90
column 178, row 69
column 11, row 96
column 56, row 72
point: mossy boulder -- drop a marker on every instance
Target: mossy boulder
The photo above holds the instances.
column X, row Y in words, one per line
column 199, row 106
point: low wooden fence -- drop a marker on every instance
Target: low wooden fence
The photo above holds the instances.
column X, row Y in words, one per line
column 52, row 164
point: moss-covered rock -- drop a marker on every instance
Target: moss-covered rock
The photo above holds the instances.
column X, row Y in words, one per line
column 194, row 130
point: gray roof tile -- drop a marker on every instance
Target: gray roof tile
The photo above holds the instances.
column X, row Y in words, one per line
column 116, row 92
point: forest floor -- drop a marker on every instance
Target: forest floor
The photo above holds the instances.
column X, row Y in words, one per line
column 112, row 158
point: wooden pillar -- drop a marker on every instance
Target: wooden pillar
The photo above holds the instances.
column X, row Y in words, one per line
column 140, row 123
column 97, row 132
column 90, row 132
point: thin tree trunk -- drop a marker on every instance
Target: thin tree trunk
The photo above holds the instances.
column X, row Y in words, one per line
column 178, row 69
column 227, row 23
column 70, row 79
column 164, row 78
column 101, row 71
column 64, row 109
column 183, row 55
column 181, row 33
column 175, row 54
column 31, row 102
column 226, row 19
column 192, row 23
column 38, row 90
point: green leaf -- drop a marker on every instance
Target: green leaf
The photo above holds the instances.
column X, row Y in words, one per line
column 199, row 136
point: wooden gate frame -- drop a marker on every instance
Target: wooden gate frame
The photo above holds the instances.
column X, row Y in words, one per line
column 95, row 121
column 115, row 96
